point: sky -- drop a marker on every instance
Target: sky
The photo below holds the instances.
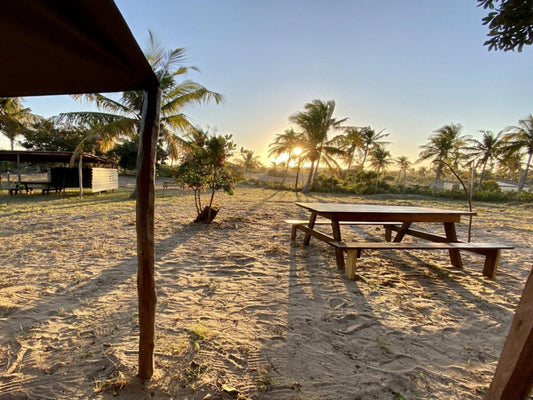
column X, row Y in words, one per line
column 408, row 67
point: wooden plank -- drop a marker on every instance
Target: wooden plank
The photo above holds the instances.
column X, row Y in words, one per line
column 513, row 378
column 420, row 234
column 401, row 231
column 337, row 236
column 492, row 259
column 351, row 208
column 351, row 261
column 418, row 246
column 317, row 234
column 451, row 236
column 311, row 225
column 490, row 250
column 328, row 222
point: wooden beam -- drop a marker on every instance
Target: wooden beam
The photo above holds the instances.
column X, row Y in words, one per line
column 145, row 229
column 317, row 234
column 513, row 378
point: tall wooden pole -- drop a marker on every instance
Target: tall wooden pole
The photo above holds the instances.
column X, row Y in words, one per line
column 145, row 229
column 80, row 174
column 513, row 379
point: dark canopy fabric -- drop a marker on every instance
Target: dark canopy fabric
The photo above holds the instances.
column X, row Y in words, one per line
column 66, row 47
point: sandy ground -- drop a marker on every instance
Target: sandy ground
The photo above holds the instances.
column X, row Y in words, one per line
column 242, row 312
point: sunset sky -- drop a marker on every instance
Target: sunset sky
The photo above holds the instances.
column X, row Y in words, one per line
column 408, row 67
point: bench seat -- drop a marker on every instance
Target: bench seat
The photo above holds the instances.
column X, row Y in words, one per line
column 491, row 251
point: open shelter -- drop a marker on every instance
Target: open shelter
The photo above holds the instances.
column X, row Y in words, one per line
column 69, row 47
column 98, row 179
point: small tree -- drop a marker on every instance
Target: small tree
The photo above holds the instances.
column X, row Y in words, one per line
column 205, row 169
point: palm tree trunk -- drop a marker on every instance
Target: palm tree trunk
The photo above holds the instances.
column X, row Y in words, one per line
column 473, row 181
column 307, row 186
column 524, row 177
column 437, row 175
column 365, row 153
column 286, row 170
column 315, row 174
column 404, row 180
column 482, row 174
column 297, row 173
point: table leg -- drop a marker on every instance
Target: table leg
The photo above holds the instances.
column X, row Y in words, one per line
column 339, row 255
column 311, row 225
column 401, row 233
column 451, row 236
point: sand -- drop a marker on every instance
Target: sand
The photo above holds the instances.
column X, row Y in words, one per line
column 243, row 312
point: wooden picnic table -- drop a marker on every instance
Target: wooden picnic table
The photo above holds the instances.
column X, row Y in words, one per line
column 394, row 218
column 28, row 187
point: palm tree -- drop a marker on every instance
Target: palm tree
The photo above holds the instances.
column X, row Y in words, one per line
column 349, row 143
column 379, row 160
column 14, row 118
column 509, row 164
column 122, row 117
column 404, row 163
column 286, row 143
column 521, row 138
column 444, row 147
column 249, row 160
column 422, row 172
column 485, row 150
column 316, row 122
column 370, row 139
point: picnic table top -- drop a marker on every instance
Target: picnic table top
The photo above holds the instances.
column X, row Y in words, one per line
column 35, row 182
column 378, row 209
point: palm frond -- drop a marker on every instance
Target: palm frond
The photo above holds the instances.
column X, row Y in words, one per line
column 85, row 118
column 102, row 102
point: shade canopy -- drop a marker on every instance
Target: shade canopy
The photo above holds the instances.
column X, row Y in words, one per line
column 50, row 157
column 67, row 47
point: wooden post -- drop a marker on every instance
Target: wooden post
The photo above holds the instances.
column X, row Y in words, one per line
column 18, row 167
column 80, row 174
column 145, row 229
column 513, row 379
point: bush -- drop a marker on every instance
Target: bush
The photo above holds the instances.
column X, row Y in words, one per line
column 275, row 173
column 326, row 183
column 166, row 171
column 205, row 167
column 490, row 186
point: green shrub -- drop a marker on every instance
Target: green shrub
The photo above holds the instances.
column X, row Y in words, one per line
column 205, row 169
column 166, row 171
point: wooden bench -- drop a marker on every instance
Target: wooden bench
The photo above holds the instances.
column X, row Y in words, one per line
column 57, row 189
column 300, row 224
column 491, row 251
column 17, row 190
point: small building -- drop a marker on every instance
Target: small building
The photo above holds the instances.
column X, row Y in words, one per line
column 511, row 187
column 60, row 174
column 96, row 179
column 444, row 185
